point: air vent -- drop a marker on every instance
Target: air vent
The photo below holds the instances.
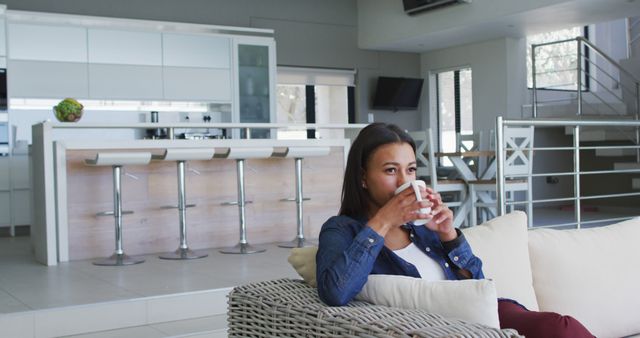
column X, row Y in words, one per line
column 413, row 7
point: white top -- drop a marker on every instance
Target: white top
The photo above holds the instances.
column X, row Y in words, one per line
column 428, row 268
column 120, row 158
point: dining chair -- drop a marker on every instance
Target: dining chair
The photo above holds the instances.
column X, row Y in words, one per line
column 517, row 171
column 468, row 142
column 471, row 142
column 427, row 171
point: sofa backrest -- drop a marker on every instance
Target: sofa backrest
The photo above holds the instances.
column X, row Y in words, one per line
column 591, row 274
column 502, row 245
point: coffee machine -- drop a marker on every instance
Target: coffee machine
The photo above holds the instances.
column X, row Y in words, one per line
column 156, row 133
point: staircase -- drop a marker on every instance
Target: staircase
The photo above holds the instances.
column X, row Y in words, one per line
column 601, row 89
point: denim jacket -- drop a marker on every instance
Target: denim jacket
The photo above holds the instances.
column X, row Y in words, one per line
column 349, row 251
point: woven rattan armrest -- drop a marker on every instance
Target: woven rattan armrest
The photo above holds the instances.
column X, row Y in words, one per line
column 291, row 308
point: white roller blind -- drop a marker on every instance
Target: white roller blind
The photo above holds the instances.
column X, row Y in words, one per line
column 315, row 76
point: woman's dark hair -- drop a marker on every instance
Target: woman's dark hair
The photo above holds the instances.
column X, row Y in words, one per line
column 354, row 196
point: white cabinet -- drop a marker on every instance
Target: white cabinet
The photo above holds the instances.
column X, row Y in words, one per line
column 21, row 207
column 5, row 172
column 197, row 67
column 3, row 35
column 15, row 191
column 5, row 191
column 143, row 62
column 5, row 208
column 191, row 50
column 43, row 79
column 255, row 83
column 47, row 42
column 20, row 172
column 21, row 190
column 125, row 82
column 125, row 47
column 125, row 65
column 198, row 84
column 47, row 61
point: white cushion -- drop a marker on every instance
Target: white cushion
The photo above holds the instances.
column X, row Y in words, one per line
column 590, row 274
column 303, row 261
column 501, row 244
column 473, row 301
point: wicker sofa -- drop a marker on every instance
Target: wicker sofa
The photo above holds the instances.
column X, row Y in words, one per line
column 291, row 308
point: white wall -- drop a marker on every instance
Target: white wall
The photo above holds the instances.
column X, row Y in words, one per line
column 498, row 84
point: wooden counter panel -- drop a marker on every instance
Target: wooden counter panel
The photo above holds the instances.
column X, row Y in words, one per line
column 208, row 184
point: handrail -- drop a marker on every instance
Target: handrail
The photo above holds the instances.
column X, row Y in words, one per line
column 583, row 43
column 620, row 83
column 577, row 173
column 604, row 55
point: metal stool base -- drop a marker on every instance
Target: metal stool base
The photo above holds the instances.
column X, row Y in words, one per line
column 184, row 254
column 297, row 243
column 119, row 260
column 243, row 248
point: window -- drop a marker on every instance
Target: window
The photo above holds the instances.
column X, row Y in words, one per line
column 455, row 109
column 308, row 95
column 291, row 109
column 556, row 64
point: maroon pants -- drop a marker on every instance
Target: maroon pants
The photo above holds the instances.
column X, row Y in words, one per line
column 533, row 324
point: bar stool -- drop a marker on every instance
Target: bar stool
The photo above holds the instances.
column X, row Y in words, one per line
column 298, row 153
column 116, row 160
column 240, row 154
column 181, row 155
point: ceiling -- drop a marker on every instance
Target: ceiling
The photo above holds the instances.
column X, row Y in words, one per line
column 544, row 19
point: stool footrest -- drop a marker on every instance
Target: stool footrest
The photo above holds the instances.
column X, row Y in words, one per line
column 176, row 207
column 293, row 199
column 110, row 213
column 235, row 203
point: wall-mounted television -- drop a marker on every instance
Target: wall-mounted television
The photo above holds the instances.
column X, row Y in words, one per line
column 397, row 93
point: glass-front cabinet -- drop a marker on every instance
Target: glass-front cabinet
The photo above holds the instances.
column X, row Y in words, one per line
column 255, row 59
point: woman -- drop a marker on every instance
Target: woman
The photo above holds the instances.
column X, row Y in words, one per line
column 373, row 234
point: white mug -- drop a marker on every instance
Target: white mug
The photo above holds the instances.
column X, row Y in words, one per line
column 416, row 189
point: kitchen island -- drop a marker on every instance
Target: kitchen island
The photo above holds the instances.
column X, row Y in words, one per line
column 67, row 194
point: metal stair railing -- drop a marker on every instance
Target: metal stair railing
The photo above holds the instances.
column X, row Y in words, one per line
column 587, row 69
column 577, row 172
column 633, row 36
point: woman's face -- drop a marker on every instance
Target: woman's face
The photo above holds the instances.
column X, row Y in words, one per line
column 388, row 167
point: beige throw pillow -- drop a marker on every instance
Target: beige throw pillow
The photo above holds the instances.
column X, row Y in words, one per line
column 303, row 261
column 473, row 301
column 590, row 274
column 502, row 245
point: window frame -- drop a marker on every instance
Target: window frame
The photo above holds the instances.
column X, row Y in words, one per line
column 586, row 80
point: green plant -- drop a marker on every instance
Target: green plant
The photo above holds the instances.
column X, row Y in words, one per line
column 68, row 110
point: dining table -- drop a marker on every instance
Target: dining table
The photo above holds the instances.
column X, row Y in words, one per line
column 484, row 172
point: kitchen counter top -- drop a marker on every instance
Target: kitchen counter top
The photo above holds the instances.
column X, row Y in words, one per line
column 62, row 208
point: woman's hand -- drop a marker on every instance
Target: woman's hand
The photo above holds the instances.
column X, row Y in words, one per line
column 441, row 216
column 400, row 209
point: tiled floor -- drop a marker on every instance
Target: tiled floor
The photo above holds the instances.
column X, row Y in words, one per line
column 27, row 285
column 192, row 328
